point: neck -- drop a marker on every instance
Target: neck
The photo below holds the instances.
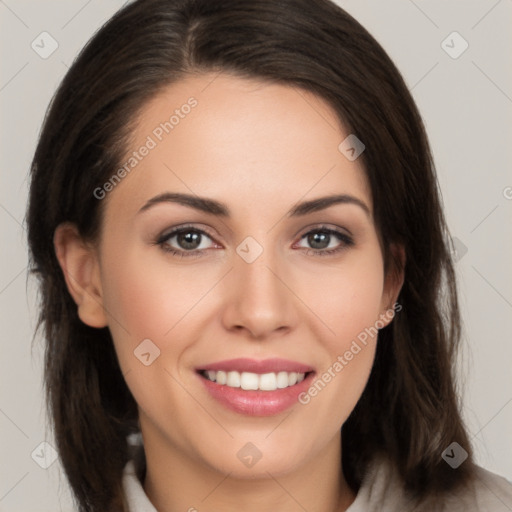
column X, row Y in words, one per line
column 176, row 482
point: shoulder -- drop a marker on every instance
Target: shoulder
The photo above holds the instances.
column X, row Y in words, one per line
column 382, row 491
column 489, row 493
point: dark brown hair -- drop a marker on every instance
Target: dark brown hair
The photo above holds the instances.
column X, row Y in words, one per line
column 409, row 409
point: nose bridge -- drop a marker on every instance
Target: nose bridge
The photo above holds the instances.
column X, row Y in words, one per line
column 258, row 297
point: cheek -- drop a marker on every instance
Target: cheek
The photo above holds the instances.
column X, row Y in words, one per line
column 148, row 294
column 146, row 300
column 345, row 297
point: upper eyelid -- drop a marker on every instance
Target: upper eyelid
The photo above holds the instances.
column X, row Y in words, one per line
column 325, row 226
column 167, row 233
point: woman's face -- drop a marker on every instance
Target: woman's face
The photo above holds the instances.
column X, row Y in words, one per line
column 266, row 279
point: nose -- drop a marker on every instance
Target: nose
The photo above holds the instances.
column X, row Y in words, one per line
column 258, row 298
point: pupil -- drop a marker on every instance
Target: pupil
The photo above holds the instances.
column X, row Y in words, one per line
column 320, row 239
column 189, row 240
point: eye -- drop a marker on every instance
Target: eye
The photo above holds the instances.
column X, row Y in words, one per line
column 323, row 241
column 184, row 241
column 189, row 241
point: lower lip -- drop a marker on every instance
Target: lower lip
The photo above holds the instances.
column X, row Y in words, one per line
column 256, row 402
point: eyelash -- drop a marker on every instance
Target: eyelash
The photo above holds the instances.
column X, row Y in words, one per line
column 163, row 240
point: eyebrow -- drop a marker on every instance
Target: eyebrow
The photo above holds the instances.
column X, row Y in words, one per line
column 217, row 208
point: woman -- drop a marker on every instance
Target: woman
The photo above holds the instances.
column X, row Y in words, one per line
column 243, row 258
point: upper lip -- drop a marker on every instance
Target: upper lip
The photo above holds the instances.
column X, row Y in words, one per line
column 258, row 366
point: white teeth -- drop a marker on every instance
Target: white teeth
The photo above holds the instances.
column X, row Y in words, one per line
column 233, row 379
column 268, row 382
column 221, row 377
column 253, row 381
column 282, row 380
column 249, row 380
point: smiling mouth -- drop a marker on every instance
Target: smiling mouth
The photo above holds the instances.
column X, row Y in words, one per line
column 248, row 381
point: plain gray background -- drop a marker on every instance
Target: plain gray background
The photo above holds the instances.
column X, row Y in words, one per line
column 466, row 103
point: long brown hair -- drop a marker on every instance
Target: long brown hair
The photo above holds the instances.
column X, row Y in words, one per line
column 409, row 409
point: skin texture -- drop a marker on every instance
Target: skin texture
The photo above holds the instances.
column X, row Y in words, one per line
column 259, row 148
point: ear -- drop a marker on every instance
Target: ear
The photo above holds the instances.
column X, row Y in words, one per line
column 79, row 263
column 393, row 282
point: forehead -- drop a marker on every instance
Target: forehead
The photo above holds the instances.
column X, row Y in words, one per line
column 243, row 141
